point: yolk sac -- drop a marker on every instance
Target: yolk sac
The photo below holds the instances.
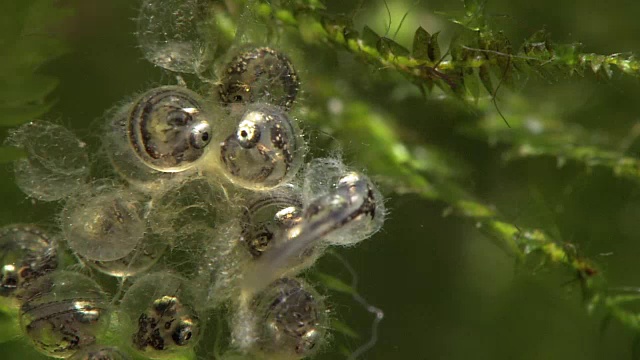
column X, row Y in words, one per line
column 265, row 149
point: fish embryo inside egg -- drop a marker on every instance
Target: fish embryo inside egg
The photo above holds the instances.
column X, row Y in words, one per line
column 168, row 128
column 265, row 149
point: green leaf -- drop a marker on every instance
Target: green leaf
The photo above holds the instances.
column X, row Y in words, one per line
column 484, row 73
column 455, row 47
column 29, row 40
column 596, row 63
column 421, row 40
column 472, row 7
column 434, row 48
column 472, row 83
column 369, row 37
column 19, row 90
column 538, row 45
column 474, row 11
column 425, row 45
column 16, row 115
column 388, row 47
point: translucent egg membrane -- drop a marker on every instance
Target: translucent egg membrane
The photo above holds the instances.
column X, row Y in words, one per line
column 188, row 217
column 104, row 223
column 258, row 74
column 56, row 162
column 177, row 34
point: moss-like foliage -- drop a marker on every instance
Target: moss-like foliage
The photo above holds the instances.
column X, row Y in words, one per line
column 476, row 55
column 477, row 58
column 28, row 40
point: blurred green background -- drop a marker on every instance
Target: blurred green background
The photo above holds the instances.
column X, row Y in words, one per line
column 447, row 291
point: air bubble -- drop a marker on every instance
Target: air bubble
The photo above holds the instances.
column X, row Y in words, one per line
column 27, row 253
column 264, row 150
column 104, row 223
column 176, row 35
column 56, row 163
column 160, row 319
column 63, row 312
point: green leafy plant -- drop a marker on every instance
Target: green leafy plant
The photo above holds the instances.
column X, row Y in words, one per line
column 29, row 41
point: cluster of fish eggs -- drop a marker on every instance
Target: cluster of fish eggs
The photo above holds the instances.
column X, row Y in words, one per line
column 207, row 210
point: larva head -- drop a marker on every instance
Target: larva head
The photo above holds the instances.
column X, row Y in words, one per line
column 259, row 75
column 264, row 150
column 168, row 128
column 27, row 253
